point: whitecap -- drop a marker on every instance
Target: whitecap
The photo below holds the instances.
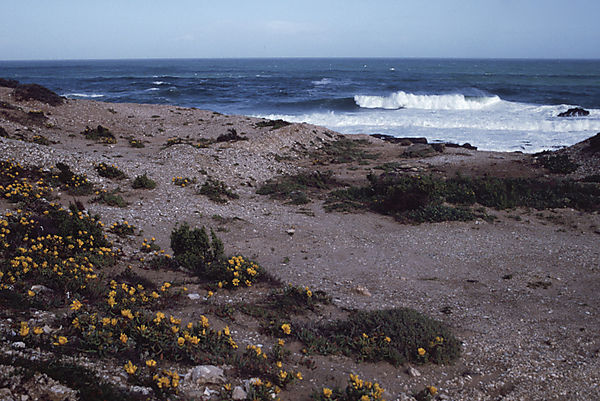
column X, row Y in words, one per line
column 93, row 95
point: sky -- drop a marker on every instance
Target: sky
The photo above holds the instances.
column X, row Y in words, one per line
column 115, row 29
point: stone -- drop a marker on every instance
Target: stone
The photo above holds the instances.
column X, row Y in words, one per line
column 594, row 144
column 413, row 372
column 403, row 141
column 194, row 296
column 6, row 395
column 205, row 374
column 18, row 344
column 38, row 289
column 145, row 391
column 574, row 112
column 238, row 393
column 361, row 290
column 291, row 231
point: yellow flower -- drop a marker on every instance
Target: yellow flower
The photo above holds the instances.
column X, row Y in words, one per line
column 299, row 376
column 38, row 330
column 123, row 338
column 281, row 342
column 388, row 340
column 130, row 368
column 127, row 313
column 151, row 363
column 180, row 341
column 432, row 390
column 327, row 392
column 31, row 293
column 61, row 340
column 365, row 398
column 24, row 330
column 76, row 305
column 287, row 329
column 421, row 351
column 278, row 364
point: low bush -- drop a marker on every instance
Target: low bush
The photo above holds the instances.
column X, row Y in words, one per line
column 393, row 335
column 100, row 134
column 110, row 171
column 143, row 181
column 217, row 191
column 557, row 164
column 110, row 198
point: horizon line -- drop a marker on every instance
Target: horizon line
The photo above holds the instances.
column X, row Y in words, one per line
column 308, row 58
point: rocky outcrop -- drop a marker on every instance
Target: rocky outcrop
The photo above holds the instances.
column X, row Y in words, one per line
column 574, row 112
column 37, row 92
column 8, row 83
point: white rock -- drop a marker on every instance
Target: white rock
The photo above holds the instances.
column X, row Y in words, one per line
column 203, row 374
column 413, row 372
column 362, row 291
column 194, row 296
column 238, row 393
column 18, row 344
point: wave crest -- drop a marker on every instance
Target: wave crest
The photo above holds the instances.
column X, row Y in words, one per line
column 404, row 100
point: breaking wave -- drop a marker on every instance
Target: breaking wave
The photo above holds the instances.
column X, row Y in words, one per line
column 404, row 100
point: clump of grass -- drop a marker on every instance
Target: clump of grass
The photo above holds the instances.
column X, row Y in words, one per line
column 356, row 390
column 217, row 191
column 195, row 251
column 296, row 300
column 41, row 140
column 230, row 136
column 557, row 164
column 143, row 181
column 136, row 143
column 344, row 150
column 273, row 124
column 293, row 187
column 123, row 229
column 75, row 184
column 182, row 181
column 100, row 134
column 393, row 335
column 110, row 171
column 110, row 198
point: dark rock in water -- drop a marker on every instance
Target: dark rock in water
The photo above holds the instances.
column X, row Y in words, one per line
column 574, row 112
column 467, row 145
column 3, row 133
column 8, row 83
column 401, row 141
column 419, row 150
column 594, row 144
column 37, row 92
column 230, row 136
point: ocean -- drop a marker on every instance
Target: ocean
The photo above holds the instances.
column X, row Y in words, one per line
column 503, row 105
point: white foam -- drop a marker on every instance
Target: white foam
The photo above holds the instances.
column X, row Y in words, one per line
column 323, row 81
column 93, row 95
column 401, row 100
column 159, row 82
column 505, row 127
column 152, row 89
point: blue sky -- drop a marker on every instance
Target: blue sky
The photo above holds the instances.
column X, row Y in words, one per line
column 84, row 29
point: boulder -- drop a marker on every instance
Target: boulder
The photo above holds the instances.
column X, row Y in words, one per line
column 37, row 92
column 402, row 141
column 594, row 144
column 238, row 393
column 3, row 133
column 205, row 374
column 574, row 112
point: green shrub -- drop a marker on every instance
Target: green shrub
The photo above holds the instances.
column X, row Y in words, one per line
column 143, row 181
column 136, row 143
column 393, row 335
column 273, row 124
column 217, row 191
column 100, row 134
column 123, row 229
column 356, row 390
column 112, row 171
column 111, row 198
column 557, row 164
column 195, row 251
column 75, row 184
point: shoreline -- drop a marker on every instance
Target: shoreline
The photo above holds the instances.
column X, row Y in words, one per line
column 520, row 340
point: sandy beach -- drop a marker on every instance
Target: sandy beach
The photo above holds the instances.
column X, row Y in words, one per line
column 519, row 290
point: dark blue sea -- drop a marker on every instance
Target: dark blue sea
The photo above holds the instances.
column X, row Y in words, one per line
column 503, row 105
